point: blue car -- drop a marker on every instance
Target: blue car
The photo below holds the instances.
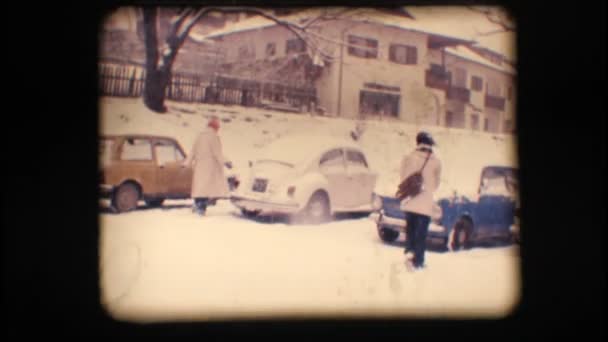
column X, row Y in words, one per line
column 461, row 222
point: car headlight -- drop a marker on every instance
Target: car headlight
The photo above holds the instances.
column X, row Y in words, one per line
column 376, row 202
column 437, row 213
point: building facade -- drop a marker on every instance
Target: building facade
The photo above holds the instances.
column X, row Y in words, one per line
column 359, row 68
column 382, row 70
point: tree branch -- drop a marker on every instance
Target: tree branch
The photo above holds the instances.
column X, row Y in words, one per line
column 494, row 18
column 176, row 22
column 489, row 33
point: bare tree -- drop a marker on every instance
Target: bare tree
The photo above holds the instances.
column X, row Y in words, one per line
column 159, row 63
column 497, row 16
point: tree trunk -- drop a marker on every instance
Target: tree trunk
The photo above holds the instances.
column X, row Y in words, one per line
column 158, row 73
column 154, row 91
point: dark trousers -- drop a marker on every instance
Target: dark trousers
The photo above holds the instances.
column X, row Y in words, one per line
column 416, row 231
column 201, row 204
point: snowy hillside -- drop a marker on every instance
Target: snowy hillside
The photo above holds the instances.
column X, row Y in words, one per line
column 246, row 131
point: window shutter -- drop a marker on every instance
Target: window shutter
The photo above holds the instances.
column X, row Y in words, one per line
column 411, row 55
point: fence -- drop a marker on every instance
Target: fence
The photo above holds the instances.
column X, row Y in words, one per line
column 127, row 80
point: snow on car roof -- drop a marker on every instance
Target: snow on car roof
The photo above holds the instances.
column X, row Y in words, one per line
column 300, row 148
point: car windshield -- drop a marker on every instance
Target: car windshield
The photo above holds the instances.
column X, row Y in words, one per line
column 499, row 181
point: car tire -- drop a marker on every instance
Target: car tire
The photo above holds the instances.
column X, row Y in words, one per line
column 316, row 210
column 250, row 213
column 155, row 202
column 387, row 235
column 461, row 235
column 125, row 197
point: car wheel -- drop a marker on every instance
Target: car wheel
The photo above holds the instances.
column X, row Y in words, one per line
column 125, row 197
column 155, row 202
column 387, row 235
column 461, row 234
column 250, row 213
column 316, row 211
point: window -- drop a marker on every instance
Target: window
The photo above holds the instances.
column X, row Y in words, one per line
column 332, row 158
column 105, row 150
column 167, row 152
column 449, row 119
column 510, row 93
column 246, row 52
column 476, row 83
column 356, row 157
column 439, row 71
column 486, row 125
column 271, row 49
column 493, row 87
column 455, row 119
column 296, row 45
column 403, row 54
column 377, row 103
column 136, row 149
column 460, row 78
column 475, row 122
column 508, row 128
column 365, row 47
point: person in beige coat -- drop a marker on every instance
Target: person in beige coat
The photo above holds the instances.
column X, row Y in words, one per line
column 208, row 161
column 419, row 209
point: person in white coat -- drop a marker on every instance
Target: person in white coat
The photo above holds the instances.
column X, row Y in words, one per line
column 208, row 179
column 419, row 209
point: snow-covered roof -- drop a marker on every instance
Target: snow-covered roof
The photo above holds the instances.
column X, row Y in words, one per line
column 457, row 23
column 462, row 22
column 368, row 15
column 464, row 52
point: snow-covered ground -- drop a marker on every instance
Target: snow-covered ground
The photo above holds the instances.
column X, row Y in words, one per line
column 168, row 264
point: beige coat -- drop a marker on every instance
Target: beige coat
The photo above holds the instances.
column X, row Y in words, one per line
column 207, row 159
column 424, row 202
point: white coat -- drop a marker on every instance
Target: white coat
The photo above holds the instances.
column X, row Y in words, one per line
column 424, row 202
column 207, row 159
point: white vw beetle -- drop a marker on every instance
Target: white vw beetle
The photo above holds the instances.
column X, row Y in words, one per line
column 309, row 178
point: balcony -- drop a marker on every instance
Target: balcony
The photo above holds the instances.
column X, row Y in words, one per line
column 437, row 80
column 459, row 94
column 495, row 102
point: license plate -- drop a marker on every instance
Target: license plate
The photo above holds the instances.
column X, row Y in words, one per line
column 259, row 185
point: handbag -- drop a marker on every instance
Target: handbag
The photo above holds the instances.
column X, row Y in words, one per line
column 412, row 184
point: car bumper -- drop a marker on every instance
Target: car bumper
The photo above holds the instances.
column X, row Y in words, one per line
column 105, row 190
column 264, row 206
column 398, row 224
column 514, row 229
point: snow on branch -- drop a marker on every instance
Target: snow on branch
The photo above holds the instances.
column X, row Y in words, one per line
column 495, row 16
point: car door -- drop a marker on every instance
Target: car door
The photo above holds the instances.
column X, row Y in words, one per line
column 174, row 179
column 332, row 165
column 136, row 162
column 361, row 179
